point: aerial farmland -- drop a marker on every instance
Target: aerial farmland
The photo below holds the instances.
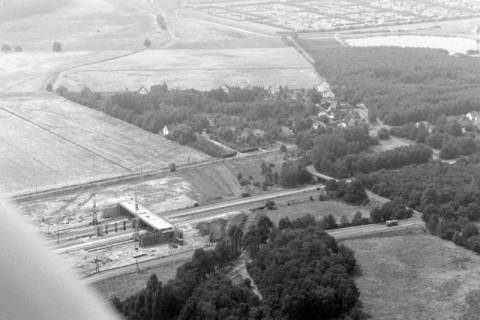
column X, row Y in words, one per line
column 202, row 69
column 60, row 143
column 137, row 136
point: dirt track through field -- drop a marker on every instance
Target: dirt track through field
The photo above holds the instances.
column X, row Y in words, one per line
column 52, row 77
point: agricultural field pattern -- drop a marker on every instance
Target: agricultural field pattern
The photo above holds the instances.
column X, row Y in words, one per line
column 58, row 143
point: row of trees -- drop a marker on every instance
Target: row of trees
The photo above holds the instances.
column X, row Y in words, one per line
column 6, row 48
column 390, row 159
column 391, row 210
column 328, row 222
column 400, row 85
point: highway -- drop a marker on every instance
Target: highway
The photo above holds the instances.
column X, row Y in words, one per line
column 242, row 204
column 375, row 229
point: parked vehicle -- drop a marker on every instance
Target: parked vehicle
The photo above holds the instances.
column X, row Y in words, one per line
column 391, row 223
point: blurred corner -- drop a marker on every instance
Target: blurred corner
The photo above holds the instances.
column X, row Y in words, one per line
column 35, row 283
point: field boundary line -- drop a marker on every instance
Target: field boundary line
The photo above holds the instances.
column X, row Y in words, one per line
column 63, row 138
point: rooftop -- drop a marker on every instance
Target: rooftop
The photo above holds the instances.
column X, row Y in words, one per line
column 146, row 215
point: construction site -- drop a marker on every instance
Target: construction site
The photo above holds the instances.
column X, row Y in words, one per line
column 97, row 235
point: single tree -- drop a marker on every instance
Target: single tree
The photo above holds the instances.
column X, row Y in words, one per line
column 57, row 46
column 147, row 43
column 6, row 48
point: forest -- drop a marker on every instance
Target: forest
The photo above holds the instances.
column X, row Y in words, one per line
column 446, row 194
column 400, row 85
column 301, row 272
column 344, row 152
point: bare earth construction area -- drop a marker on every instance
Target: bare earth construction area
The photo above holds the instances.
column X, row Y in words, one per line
column 48, row 142
column 202, row 69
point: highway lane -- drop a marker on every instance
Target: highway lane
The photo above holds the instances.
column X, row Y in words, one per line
column 374, row 229
column 246, row 203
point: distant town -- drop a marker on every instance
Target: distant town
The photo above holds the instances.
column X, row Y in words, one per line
column 328, row 15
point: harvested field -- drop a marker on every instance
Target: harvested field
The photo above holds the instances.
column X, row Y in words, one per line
column 193, row 31
column 201, row 69
column 417, row 277
column 49, row 142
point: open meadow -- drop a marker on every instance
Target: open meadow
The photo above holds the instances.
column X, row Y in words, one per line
column 201, row 69
column 391, row 143
column 418, row 276
column 49, row 142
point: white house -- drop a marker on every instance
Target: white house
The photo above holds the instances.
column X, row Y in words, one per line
column 473, row 116
column 143, row 91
